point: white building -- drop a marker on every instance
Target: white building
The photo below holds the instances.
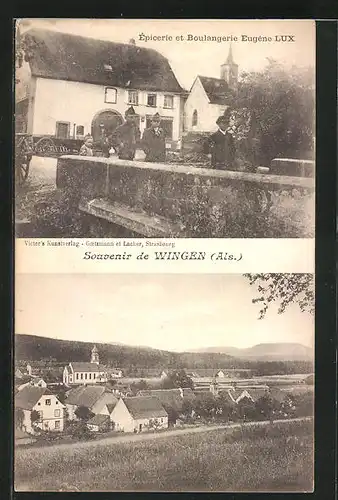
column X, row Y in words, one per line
column 94, row 397
column 209, row 97
column 69, row 86
column 79, row 372
column 138, row 414
column 49, row 407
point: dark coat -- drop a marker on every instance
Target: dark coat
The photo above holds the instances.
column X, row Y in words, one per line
column 222, row 149
column 125, row 139
column 154, row 145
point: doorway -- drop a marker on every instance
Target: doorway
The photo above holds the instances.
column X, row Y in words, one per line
column 105, row 122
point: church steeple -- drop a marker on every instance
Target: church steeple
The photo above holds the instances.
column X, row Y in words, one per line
column 95, row 355
column 229, row 70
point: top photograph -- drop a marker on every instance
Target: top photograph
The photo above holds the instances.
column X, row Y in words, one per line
column 164, row 128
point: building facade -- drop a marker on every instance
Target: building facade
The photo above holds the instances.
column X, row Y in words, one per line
column 47, row 405
column 139, row 414
column 210, row 97
column 70, row 86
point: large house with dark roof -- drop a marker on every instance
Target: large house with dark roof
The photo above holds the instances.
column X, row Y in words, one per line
column 139, row 414
column 209, row 98
column 49, row 407
column 94, row 397
column 70, row 85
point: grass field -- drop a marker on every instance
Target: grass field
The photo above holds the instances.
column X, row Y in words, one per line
column 271, row 458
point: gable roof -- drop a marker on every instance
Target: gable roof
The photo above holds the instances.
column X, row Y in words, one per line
column 85, row 395
column 145, row 407
column 82, row 366
column 106, row 398
column 99, row 420
column 217, row 90
column 76, row 58
column 172, row 398
column 29, row 395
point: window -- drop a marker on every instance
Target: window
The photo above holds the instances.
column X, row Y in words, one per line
column 56, row 402
column 194, row 118
column 77, row 376
column 56, row 413
column 48, row 402
column 133, row 97
column 85, row 376
column 168, row 101
column 81, row 376
column 62, row 130
column 57, row 424
column 39, row 404
column 94, row 375
column 80, row 130
column 90, row 376
column 110, row 95
column 151, row 100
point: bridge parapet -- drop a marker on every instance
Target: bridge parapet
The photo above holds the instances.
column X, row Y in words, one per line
column 163, row 200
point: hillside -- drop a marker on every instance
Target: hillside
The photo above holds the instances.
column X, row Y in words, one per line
column 287, row 351
column 33, row 348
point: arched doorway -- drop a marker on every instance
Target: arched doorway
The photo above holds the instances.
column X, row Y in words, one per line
column 105, row 122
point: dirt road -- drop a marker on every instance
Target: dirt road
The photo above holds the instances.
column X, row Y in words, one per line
column 169, row 433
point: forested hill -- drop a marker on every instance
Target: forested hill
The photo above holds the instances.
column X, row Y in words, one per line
column 33, row 348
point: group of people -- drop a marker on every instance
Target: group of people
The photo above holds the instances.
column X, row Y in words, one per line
column 126, row 138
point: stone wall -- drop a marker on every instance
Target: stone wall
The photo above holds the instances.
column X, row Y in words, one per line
column 156, row 200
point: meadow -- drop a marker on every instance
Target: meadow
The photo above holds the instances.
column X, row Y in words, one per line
column 271, row 458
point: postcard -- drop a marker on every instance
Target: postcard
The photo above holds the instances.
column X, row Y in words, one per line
column 164, row 224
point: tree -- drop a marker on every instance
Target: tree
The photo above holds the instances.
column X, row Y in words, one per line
column 19, row 418
column 285, row 289
column 281, row 104
column 84, row 413
column 35, row 417
column 177, row 379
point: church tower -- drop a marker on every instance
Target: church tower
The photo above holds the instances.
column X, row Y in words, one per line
column 229, row 70
column 95, row 355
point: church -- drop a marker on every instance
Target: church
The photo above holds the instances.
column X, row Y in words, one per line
column 78, row 372
column 210, row 97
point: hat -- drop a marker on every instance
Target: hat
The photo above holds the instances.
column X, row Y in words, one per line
column 156, row 117
column 130, row 111
column 223, row 119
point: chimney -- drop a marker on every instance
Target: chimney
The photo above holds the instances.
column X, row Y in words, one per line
column 132, row 41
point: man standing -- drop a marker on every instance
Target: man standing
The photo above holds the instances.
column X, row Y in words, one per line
column 153, row 141
column 221, row 145
column 125, row 138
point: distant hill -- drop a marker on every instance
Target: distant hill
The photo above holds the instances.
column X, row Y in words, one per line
column 282, row 351
column 33, row 348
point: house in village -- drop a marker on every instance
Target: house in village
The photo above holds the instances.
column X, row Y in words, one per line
column 33, row 382
column 79, row 372
column 99, row 423
column 70, row 85
column 171, row 399
column 137, row 414
column 49, row 407
column 210, row 97
column 94, row 397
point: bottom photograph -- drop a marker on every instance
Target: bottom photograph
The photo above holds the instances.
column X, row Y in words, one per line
column 173, row 382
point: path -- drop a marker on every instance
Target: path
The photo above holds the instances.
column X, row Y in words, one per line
column 170, row 433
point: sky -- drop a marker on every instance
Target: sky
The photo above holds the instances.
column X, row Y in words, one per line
column 170, row 311
column 189, row 59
